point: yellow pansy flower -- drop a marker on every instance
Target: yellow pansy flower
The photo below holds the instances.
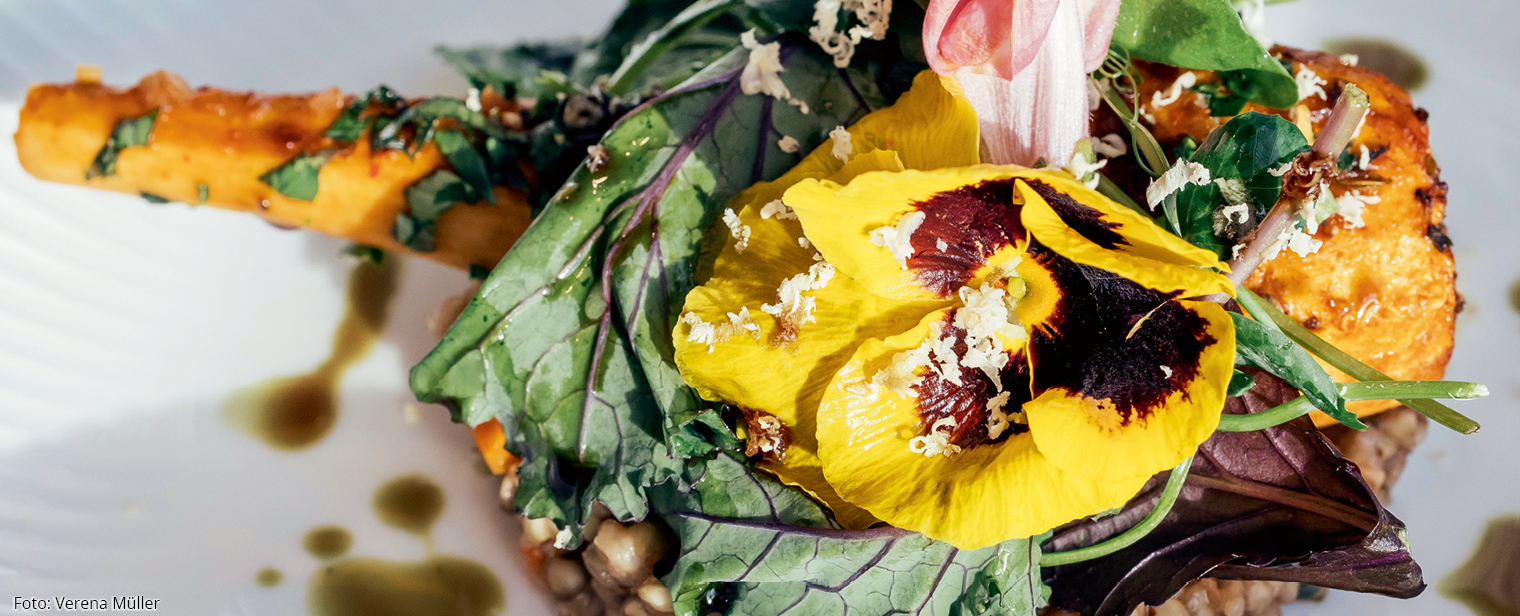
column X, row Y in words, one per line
column 975, row 352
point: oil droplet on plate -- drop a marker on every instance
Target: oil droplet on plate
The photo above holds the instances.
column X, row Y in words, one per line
column 294, row 412
column 327, row 542
column 410, row 502
column 269, row 577
column 437, row 586
column 1489, row 583
column 1400, row 65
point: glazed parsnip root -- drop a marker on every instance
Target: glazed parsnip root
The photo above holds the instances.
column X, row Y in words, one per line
column 1383, row 291
column 216, row 144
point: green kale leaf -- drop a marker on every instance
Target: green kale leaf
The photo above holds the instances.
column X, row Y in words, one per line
column 568, row 344
column 768, row 550
column 1208, row 35
column 1242, row 154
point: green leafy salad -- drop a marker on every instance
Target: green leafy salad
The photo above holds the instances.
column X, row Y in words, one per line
column 934, row 307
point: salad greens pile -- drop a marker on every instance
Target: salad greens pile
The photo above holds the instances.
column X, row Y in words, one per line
column 568, row 343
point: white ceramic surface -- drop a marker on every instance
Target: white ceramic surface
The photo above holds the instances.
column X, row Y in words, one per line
column 124, row 326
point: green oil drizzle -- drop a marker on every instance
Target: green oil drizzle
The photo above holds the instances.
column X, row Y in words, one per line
column 269, row 577
column 1489, row 583
column 1400, row 65
column 327, row 542
column 1514, row 296
column 294, row 412
column 436, row 586
column 439, row 585
column 410, row 502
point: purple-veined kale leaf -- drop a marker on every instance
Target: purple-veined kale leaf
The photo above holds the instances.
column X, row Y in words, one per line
column 1275, row 504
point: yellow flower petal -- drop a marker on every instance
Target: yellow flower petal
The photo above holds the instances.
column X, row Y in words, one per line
column 1125, row 244
column 914, row 234
column 1142, row 236
column 768, row 369
column 1127, row 393
column 983, row 495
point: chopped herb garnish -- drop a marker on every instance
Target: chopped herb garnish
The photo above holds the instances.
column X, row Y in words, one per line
column 351, row 123
column 467, row 162
column 366, row 253
column 433, row 195
column 202, row 193
column 152, row 198
column 414, row 234
column 130, row 132
column 297, row 178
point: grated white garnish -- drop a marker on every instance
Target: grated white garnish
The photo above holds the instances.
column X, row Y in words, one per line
column 842, row 147
column 1166, row 371
column 762, row 74
column 712, row 334
column 1352, row 205
column 1231, row 211
column 1235, row 252
column 896, row 238
column 472, row 100
column 873, row 15
column 1281, row 170
column 1303, row 244
column 1309, row 83
column 1185, row 80
column 792, row 306
column 989, row 356
column 1181, row 174
column 778, row 209
column 739, row 231
column 940, row 244
column 1350, row 59
column 1085, row 172
column 984, row 313
column 997, row 420
column 947, row 364
column 1364, row 162
column 788, row 145
column 806, row 245
column 1111, row 145
column 900, row 376
column 742, row 322
column 701, row 331
column 937, row 442
column 562, row 538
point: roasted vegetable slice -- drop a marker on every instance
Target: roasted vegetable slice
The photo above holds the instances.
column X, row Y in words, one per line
column 251, row 153
column 1383, row 291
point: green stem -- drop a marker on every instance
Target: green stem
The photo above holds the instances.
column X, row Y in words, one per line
column 1412, row 390
column 1277, row 415
column 658, row 42
column 1135, row 533
column 1266, row 313
column 1111, row 190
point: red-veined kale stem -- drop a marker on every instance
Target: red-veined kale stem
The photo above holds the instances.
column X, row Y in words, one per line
column 1337, row 133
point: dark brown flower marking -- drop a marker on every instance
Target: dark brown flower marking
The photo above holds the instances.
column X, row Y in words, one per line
column 1083, row 219
column 974, row 222
column 939, row 398
column 1114, row 341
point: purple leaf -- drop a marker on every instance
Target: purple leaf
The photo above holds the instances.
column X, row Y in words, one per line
column 1275, row 504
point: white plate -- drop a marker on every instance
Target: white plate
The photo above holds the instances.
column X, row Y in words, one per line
column 123, row 327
